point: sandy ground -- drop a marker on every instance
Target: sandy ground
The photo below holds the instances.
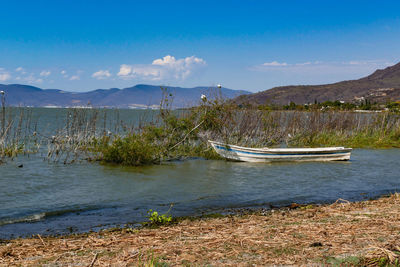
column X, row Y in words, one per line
column 363, row 233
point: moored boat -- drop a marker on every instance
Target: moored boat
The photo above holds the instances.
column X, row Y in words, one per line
column 248, row 154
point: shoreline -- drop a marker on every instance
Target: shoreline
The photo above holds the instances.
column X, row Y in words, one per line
column 222, row 212
column 357, row 233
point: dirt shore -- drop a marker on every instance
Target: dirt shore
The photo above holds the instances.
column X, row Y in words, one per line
column 363, row 233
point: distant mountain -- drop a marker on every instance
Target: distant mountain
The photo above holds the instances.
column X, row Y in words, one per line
column 381, row 86
column 138, row 96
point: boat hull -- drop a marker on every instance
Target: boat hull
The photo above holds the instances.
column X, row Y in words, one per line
column 238, row 153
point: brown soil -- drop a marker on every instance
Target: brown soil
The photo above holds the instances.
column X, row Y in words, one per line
column 343, row 233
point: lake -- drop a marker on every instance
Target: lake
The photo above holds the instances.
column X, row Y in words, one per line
column 52, row 198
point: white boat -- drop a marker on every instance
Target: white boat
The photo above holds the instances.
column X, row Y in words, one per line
column 239, row 153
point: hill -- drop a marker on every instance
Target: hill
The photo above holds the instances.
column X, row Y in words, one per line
column 381, row 86
column 138, row 96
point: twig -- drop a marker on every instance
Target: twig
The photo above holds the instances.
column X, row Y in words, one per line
column 198, row 125
column 94, row 260
column 44, row 244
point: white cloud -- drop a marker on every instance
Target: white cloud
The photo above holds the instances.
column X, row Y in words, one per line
column 64, row 74
column 102, row 74
column 45, row 73
column 305, row 63
column 318, row 65
column 4, row 76
column 275, row 64
column 124, row 70
column 319, row 72
column 147, row 72
column 31, row 79
column 368, row 63
column 21, row 70
column 166, row 68
column 354, row 62
column 284, row 64
column 74, row 78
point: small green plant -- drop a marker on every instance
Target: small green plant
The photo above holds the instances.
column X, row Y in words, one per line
column 156, row 219
column 346, row 261
column 151, row 261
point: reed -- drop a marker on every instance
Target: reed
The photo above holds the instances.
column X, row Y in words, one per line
column 85, row 131
column 179, row 135
column 310, row 129
column 100, row 134
column 169, row 136
column 18, row 135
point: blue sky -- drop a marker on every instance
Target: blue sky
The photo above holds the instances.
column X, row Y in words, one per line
column 250, row 45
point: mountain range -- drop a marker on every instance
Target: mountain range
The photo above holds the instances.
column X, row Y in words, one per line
column 138, row 96
column 381, row 86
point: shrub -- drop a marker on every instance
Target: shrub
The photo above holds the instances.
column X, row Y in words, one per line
column 132, row 150
column 155, row 219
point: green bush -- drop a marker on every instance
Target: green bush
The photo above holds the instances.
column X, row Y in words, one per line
column 132, row 150
column 156, row 219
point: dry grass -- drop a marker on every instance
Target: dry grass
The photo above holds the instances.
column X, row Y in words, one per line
column 364, row 233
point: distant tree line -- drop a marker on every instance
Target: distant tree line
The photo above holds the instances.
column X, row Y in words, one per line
column 364, row 104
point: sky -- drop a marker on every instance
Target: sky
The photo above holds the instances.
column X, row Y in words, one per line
column 248, row 45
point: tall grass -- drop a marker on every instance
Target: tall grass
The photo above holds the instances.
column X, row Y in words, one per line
column 186, row 134
column 85, row 131
column 99, row 134
column 18, row 132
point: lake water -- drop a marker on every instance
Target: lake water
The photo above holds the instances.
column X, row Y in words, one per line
column 53, row 198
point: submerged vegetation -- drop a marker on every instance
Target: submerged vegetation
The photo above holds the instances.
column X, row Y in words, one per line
column 167, row 134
